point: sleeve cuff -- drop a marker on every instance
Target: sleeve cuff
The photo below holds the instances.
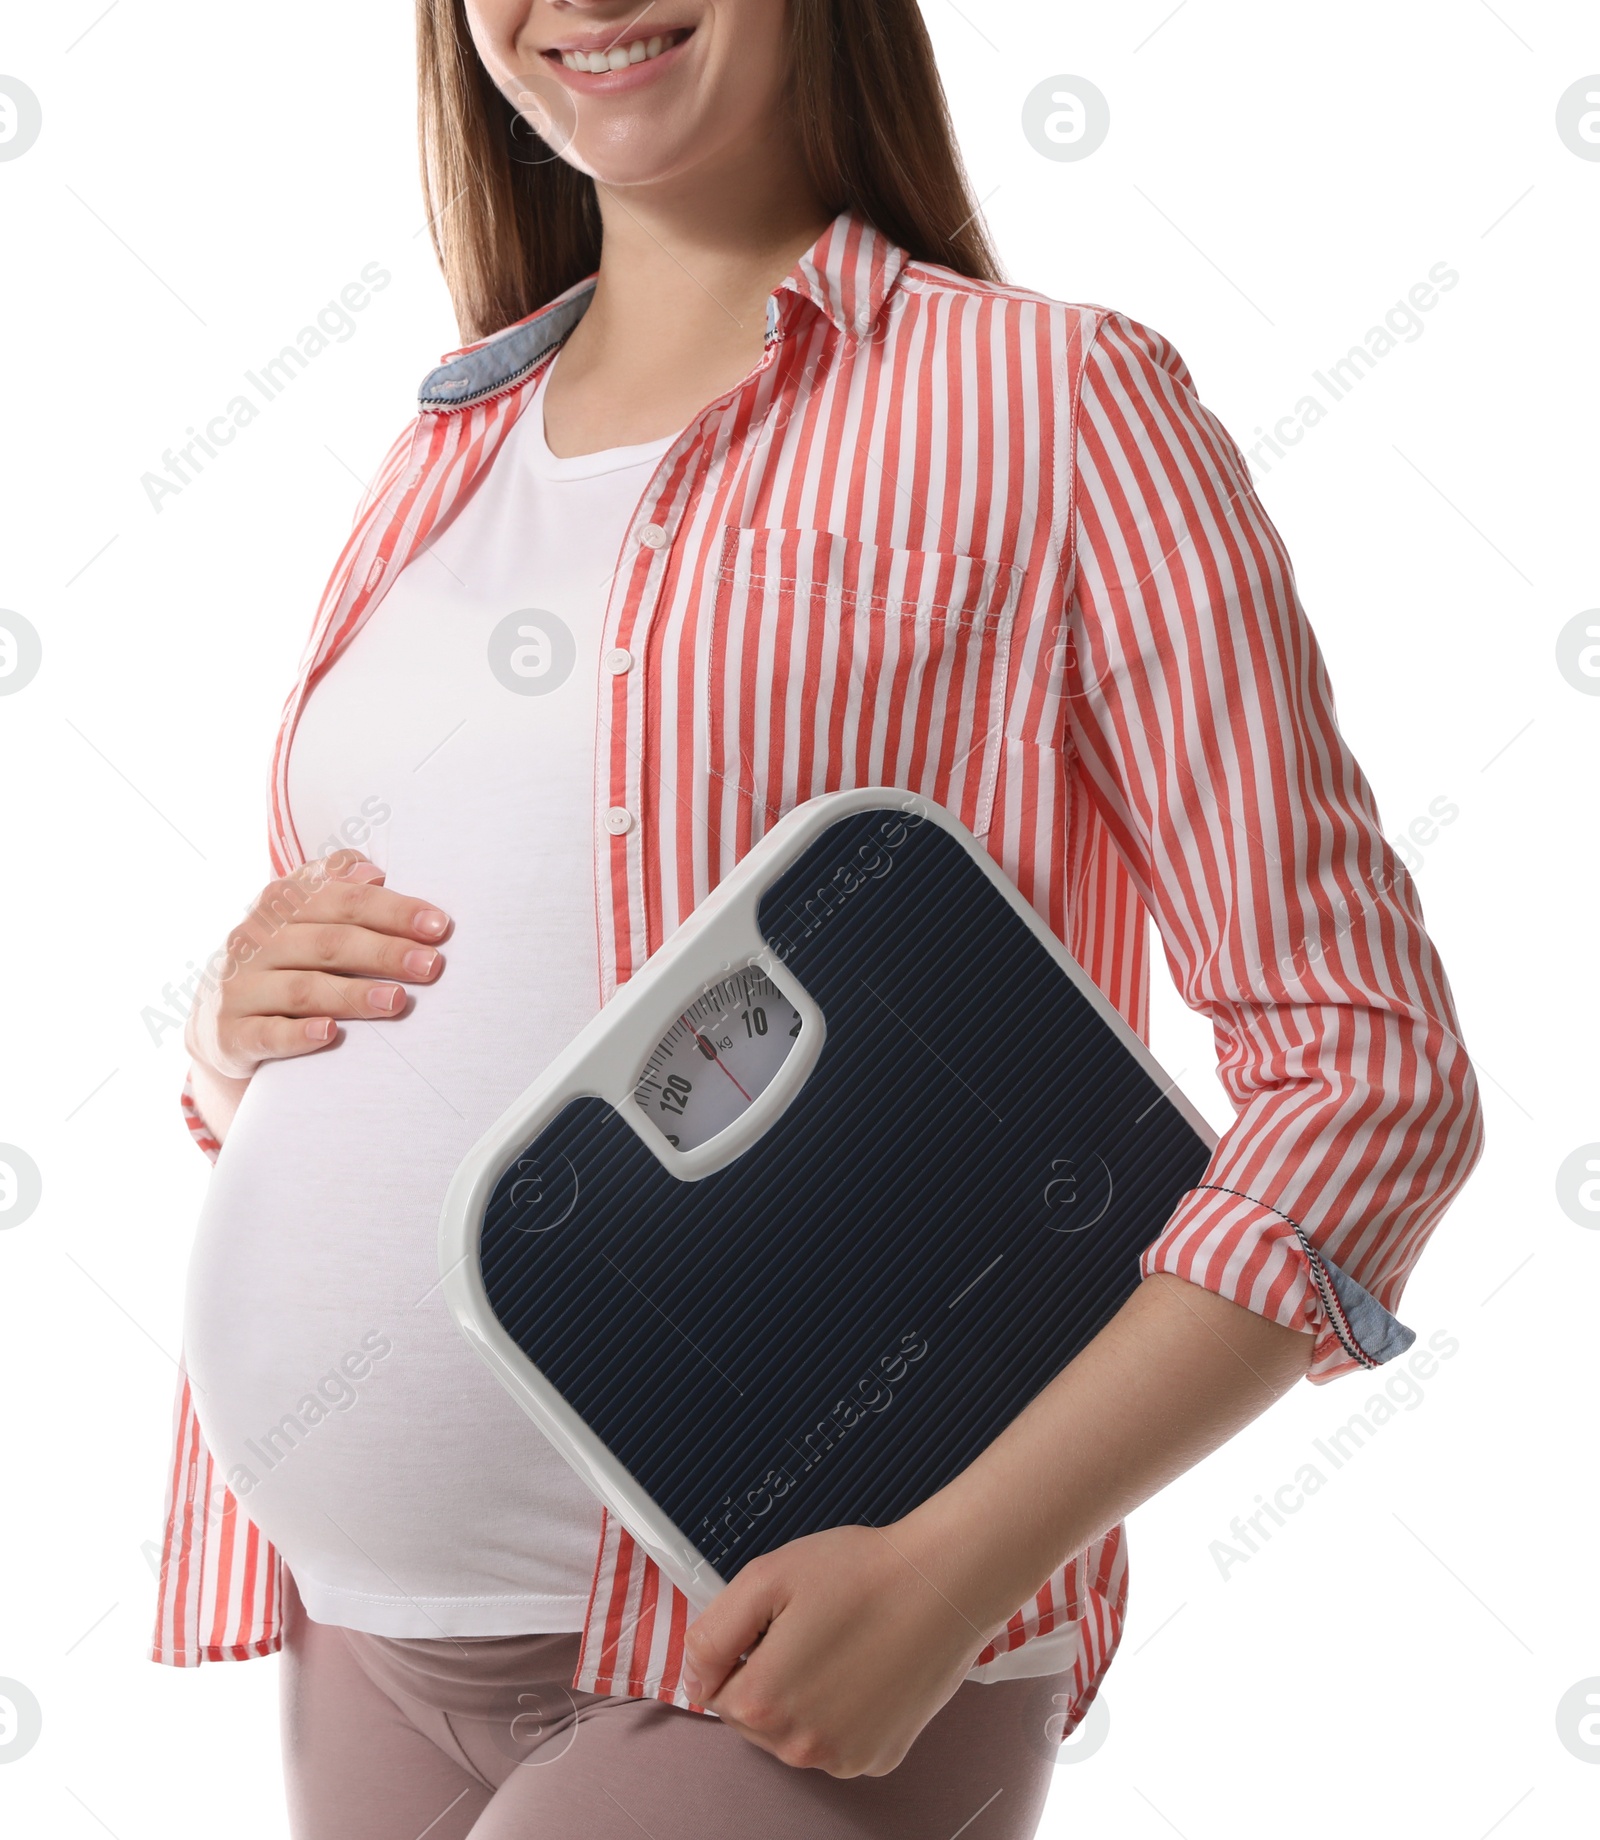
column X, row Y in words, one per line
column 199, row 1130
column 1259, row 1257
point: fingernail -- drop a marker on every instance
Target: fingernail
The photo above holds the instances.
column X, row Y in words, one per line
column 363, row 872
column 387, row 997
column 420, row 961
column 691, row 1683
column 320, row 1028
column 431, row 922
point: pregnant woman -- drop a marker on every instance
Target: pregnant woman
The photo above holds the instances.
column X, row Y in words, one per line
column 754, row 481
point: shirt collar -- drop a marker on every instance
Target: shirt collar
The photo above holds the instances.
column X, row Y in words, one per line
column 847, row 274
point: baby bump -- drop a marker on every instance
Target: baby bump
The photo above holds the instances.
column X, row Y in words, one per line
column 329, row 1376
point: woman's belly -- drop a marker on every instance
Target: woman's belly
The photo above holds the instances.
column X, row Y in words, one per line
column 406, row 1490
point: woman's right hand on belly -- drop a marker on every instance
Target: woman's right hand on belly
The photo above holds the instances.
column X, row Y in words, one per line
column 324, row 945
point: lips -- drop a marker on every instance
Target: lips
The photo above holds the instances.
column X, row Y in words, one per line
column 608, row 59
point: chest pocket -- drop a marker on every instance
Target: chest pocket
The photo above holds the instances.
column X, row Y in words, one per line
column 834, row 663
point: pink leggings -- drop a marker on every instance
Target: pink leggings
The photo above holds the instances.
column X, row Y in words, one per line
column 399, row 1739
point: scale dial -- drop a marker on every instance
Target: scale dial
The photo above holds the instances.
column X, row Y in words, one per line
column 720, row 1053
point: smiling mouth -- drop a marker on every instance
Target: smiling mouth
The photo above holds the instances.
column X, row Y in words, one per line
column 620, row 55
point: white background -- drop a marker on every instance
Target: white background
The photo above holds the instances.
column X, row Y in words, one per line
column 1274, row 180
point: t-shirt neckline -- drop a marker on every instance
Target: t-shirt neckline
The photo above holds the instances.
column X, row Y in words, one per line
column 550, row 465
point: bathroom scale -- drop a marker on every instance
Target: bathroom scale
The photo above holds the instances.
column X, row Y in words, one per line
column 840, row 1179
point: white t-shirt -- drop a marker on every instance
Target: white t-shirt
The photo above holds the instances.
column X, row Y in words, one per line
column 455, row 738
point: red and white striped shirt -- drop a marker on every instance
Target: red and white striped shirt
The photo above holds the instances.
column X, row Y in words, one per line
column 960, row 538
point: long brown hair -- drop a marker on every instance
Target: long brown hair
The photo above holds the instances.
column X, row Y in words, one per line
column 513, row 226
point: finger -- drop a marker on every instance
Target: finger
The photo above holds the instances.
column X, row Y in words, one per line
column 354, row 951
column 353, row 902
column 345, row 862
column 338, row 865
column 285, row 900
column 277, row 1038
column 726, row 1629
column 309, row 994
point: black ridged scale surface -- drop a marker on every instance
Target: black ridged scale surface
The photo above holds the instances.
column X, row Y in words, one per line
column 831, row 1327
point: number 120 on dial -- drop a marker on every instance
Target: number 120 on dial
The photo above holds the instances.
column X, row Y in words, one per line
column 714, row 1060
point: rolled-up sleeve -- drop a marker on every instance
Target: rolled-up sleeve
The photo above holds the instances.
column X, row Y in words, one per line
column 194, row 1118
column 1203, row 720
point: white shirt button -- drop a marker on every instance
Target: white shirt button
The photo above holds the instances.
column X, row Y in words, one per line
column 618, row 820
column 618, row 660
column 652, row 536
column 863, row 322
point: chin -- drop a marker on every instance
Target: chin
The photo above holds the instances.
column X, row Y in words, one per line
column 626, row 165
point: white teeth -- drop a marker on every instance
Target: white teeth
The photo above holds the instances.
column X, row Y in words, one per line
column 618, row 57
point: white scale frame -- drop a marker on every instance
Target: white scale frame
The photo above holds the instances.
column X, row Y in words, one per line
column 605, row 1060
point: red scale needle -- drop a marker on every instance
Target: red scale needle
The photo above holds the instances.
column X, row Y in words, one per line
column 713, row 1054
